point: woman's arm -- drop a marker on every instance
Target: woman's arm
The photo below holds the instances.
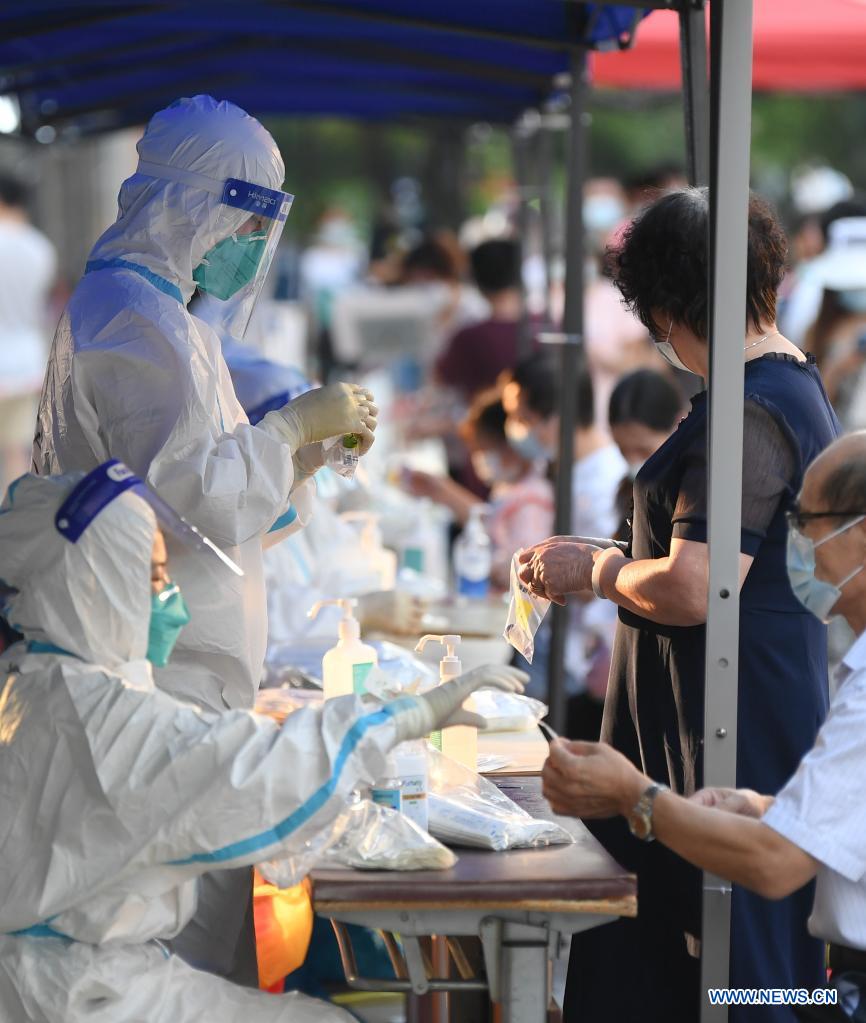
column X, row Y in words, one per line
column 669, row 591
column 593, row 780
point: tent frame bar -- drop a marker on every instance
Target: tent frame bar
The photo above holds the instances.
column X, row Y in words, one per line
column 407, row 20
column 696, row 112
column 731, row 109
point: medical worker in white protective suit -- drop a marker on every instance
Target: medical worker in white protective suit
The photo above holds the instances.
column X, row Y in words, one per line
column 115, row 796
column 132, row 375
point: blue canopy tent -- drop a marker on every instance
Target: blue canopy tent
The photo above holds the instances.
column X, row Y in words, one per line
column 103, row 65
column 80, row 67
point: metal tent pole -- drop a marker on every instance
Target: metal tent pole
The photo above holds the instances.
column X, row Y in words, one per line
column 520, row 142
column 571, row 341
column 696, row 112
column 731, row 96
column 545, row 178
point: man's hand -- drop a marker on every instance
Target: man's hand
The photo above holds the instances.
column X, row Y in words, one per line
column 590, row 779
column 557, row 567
column 743, row 802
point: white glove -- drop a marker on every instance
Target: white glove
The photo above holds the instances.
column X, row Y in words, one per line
column 307, row 461
column 325, row 412
column 442, row 706
column 392, row 611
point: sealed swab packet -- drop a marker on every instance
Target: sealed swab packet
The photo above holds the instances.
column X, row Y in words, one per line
column 342, row 454
column 526, row 612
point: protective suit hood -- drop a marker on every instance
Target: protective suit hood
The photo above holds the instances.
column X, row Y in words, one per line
column 167, row 226
column 90, row 598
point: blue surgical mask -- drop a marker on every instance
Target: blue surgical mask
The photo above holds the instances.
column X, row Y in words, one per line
column 168, row 615
column 814, row 594
column 667, row 352
column 526, row 444
column 231, row 264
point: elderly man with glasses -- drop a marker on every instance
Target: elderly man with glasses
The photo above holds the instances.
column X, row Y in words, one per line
column 816, row 826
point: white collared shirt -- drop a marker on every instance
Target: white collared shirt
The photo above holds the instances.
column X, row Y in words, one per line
column 822, row 809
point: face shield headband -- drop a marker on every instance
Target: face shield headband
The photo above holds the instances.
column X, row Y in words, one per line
column 108, row 481
column 235, row 267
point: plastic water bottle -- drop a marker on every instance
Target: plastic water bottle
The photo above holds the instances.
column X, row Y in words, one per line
column 473, row 556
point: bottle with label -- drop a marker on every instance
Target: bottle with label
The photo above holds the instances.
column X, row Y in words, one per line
column 381, row 561
column 473, row 556
column 423, row 545
column 345, row 667
column 459, row 742
column 410, row 762
column 388, row 790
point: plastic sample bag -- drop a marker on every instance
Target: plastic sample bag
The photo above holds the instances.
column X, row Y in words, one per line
column 507, row 712
column 468, row 810
column 526, row 612
column 378, row 838
column 342, row 454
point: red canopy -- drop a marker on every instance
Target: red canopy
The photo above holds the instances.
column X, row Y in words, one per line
column 799, row 46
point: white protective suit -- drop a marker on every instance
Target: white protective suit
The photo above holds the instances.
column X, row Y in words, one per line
column 114, row 796
column 132, row 375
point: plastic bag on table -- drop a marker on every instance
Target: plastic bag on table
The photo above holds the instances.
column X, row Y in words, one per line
column 526, row 612
column 290, row 869
column 508, row 712
column 379, row 838
column 466, row 809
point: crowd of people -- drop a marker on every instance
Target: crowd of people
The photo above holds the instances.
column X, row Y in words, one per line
column 154, row 554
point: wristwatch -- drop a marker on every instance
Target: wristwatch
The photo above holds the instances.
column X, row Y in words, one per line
column 640, row 820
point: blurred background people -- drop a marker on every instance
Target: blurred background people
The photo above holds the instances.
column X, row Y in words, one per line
column 643, row 412
column 531, row 397
column 520, row 501
column 476, row 354
column 28, row 263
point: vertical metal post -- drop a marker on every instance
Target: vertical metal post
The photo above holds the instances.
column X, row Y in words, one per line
column 731, row 99
column 519, row 152
column 696, row 106
column 545, row 178
column 572, row 340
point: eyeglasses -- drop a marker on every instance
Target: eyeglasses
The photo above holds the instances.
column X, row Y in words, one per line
column 796, row 518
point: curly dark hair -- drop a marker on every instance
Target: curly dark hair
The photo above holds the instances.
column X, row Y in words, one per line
column 661, row 263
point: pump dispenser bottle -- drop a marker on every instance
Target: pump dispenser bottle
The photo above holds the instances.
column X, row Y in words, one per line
column 460, row 742
column 345, row 667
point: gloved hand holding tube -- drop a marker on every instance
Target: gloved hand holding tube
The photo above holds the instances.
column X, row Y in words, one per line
column 324, row 412
column 442, row 707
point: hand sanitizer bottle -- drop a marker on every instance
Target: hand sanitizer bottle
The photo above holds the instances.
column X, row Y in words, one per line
column 345, row 667
column 461, row 741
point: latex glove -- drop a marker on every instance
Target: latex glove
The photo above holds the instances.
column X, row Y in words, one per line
column 392, row 611
column 330, row 411
column 307, row 461
column 555, row 568
column 442, row 706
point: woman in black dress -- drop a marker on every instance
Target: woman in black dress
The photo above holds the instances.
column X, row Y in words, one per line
column 647, row 969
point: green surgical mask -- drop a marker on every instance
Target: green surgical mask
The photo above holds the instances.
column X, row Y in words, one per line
column 231, row 264
column 168, row 615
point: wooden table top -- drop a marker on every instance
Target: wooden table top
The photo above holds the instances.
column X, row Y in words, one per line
column 578, row 878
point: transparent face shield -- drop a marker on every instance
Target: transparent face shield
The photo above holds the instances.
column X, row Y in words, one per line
column 233, row 271
column 247, row 232
column 108, row 481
